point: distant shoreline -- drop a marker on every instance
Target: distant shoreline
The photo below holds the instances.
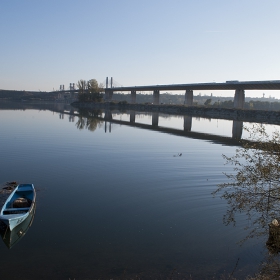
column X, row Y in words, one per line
column 259, row 116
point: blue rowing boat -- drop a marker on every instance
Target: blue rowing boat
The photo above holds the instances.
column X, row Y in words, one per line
column 11, row 238
column 18, row 205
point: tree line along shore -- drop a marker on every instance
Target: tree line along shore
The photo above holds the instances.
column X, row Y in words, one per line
column 269, row 104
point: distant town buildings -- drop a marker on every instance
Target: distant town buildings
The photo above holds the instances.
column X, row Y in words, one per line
column 67, row 96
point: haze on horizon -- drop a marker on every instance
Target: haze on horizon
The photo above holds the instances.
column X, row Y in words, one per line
column 48, row 43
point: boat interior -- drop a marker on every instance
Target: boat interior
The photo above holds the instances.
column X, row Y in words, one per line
column 21, row 201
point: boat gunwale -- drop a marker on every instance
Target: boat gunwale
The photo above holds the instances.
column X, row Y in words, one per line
column 6, row 218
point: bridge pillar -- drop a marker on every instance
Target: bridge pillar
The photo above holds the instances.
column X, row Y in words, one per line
column 110, row 127
column 156, row 97
column 108, row 94
column 133, row 96
column 132, row 116
column 189, row 97
column 155, row 119
column 108, row 115
column 107, row 82
column 187, row 123
column 237, row 127
column 239, row 99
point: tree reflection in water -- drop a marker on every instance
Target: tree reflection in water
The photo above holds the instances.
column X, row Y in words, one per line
column 88, row 119
column 254, row 189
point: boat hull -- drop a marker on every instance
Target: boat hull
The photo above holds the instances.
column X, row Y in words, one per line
column 12, row 222
column 11, row 238
column 12, row 215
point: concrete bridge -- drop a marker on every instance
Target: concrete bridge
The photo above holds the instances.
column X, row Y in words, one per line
column 238, row 87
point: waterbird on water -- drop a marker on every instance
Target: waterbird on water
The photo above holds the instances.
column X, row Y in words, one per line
column 180, row 154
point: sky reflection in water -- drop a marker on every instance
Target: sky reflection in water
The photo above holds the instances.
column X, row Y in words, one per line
column 120, row 204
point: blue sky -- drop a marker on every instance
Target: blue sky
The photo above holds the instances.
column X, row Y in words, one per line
column 45, row 43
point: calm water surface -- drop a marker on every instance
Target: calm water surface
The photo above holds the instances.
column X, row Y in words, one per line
column 121, row 204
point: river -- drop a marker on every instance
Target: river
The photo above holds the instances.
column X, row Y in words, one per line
column 116, row 201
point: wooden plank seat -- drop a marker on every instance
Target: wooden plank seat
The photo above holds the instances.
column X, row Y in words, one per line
column 18, row 209
column 10, row 211
column 25, row 189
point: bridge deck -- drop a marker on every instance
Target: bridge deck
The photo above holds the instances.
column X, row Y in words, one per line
column 251, row 85
column 230, row 85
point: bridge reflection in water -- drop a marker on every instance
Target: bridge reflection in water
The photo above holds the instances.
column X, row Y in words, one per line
column 107, row 117
column 237, row 128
